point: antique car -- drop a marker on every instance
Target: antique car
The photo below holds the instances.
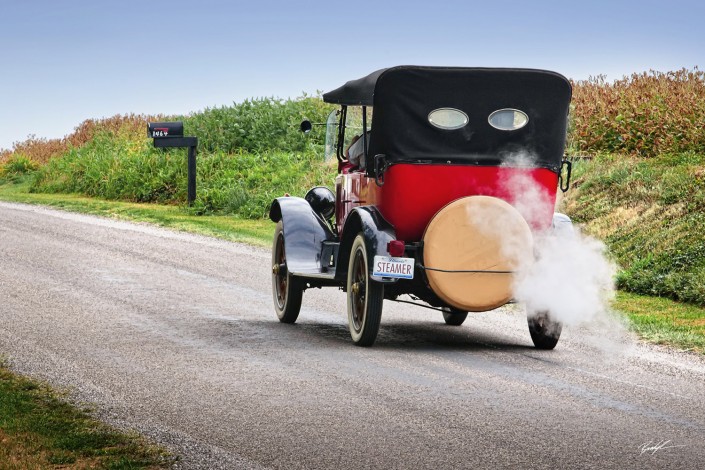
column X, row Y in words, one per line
column 435, row 200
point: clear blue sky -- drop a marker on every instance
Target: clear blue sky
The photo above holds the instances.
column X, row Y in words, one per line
column 66, row 61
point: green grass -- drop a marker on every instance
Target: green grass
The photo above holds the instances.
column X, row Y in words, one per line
column 663, row 321
column 40, row 430
column 254, row 232
column 651, row 214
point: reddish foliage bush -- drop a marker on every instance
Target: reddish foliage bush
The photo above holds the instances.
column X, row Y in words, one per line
column 40, row 150
column 37, row 149
column 643, row 115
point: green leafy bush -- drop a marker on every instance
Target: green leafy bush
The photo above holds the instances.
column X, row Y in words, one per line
column 16, row 167
column 249, row 153
column 246, row 183
column 240, row 183
column 116, row 168
column 259, row 125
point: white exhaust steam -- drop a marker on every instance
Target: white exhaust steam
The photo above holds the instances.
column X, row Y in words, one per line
column 570, row 275
column 571, row 278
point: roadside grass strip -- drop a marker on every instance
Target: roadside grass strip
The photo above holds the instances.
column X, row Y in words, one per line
column 256, row 232
column 39, row 430
column 663, row 321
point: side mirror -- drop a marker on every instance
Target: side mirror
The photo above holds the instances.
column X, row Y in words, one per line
column 564, row 184
column 306, row 126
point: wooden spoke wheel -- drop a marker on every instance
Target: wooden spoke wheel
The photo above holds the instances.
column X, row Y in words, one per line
column 365, row 296
column 286, row 289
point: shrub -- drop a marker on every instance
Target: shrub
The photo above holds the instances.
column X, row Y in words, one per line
column 16, row 167
column 41, row 150
column 259, row 125
column 240, row 183
column 116, row 167
column 643, row 115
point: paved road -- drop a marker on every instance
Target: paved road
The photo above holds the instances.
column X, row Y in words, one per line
column 174, row 335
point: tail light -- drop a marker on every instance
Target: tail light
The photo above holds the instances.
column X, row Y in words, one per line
column 396, row 248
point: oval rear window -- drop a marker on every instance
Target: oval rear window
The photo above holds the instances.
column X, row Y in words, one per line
column 508, row 119
column 448, row 118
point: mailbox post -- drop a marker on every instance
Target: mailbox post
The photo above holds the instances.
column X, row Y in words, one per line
column 171, row 134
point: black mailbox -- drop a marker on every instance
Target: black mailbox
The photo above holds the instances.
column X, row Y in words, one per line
column 165, row 129
column 171, row 134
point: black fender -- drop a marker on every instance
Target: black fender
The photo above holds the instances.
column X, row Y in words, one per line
column 377, row 232
column 304, row 234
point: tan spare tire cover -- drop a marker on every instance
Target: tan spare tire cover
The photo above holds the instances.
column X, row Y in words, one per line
column 477, row 233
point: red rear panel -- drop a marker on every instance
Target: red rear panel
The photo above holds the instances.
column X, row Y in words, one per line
column 413, row 193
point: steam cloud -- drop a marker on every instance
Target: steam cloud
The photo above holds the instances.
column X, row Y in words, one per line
column 571, row 278
column 570, row 275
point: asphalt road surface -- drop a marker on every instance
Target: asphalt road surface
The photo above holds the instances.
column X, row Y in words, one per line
column 175, row 336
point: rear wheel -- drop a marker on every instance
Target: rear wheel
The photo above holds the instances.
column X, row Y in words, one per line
column 453, row 316
column 365, row 297
column 544, row 331
column 286, row 289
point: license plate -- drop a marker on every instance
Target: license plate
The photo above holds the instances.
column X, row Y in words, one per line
column 386, row 266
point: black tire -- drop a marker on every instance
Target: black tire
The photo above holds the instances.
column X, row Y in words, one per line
column 365, row 296
column 453, row 316
column 286, row 289
column 544, row 331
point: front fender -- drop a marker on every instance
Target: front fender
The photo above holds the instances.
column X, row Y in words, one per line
column 377, row 232
column 304, row 234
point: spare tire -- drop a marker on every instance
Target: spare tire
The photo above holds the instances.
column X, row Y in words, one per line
column 471, row 248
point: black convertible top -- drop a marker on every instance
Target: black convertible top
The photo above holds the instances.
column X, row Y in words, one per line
column 355, row 92
column 404, row 96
